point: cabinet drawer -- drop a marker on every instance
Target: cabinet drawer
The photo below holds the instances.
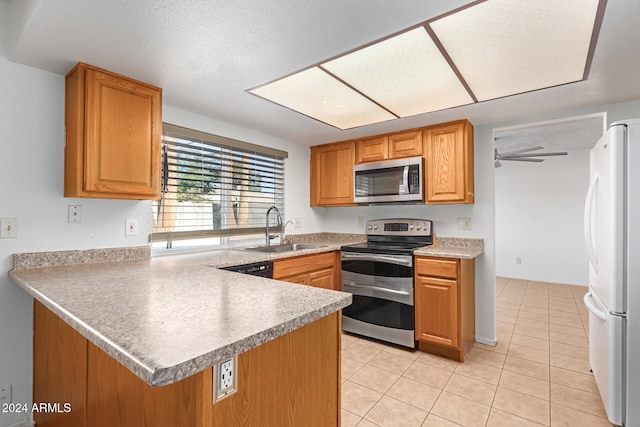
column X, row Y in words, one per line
column 439, row 267
column 303, row 264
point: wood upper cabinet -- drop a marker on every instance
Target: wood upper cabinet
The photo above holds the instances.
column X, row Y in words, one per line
column 113, row 136
column 332, row 174
column 390, row 146
column 405, row 144
column 319, row 270
column 449, row 163
column 372, row 149
column 447, row 150
column 445, row 305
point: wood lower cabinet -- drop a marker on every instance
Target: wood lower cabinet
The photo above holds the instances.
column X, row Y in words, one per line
column 293, row 380
column 319, row 270
column 331, row 173
column 445, row 305
column 113, row 128
column 449, row 163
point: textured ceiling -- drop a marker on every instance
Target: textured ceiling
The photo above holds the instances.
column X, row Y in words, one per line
column 579, row 133
column 205, row 54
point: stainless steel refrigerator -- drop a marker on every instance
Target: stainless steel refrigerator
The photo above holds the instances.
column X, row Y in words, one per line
column 612, row 236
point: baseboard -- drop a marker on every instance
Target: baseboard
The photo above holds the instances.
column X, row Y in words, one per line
column 486, row 341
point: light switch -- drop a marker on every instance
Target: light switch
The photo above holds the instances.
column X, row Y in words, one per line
column 8, row 228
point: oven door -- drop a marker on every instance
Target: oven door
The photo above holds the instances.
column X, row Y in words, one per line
column 382, row 289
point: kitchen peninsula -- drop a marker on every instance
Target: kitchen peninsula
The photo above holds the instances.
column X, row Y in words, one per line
column 133, row 342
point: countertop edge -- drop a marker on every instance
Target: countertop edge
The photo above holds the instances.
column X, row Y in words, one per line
column 165, row 376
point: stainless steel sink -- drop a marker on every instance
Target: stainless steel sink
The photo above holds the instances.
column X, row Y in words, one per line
column 283, row 248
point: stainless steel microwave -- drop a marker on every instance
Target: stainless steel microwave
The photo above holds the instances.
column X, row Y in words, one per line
column 391, row 181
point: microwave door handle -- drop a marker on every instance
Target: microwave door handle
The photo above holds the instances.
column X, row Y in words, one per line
column 405, row 179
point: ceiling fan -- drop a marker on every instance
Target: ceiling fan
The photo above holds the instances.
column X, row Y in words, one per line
column 523, row 155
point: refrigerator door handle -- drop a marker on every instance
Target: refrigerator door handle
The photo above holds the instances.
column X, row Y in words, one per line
column 592, row 308
column 591, row 195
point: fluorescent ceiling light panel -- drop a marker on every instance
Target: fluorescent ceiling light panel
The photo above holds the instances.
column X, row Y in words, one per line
column 488, row 50
column 406, row 74
column 315, row 93
column 506, row 47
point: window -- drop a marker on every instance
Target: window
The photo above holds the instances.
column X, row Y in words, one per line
column 214, row 189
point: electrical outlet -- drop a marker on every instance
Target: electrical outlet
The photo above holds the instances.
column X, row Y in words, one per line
column 8, row 228
column 359, row 221
column 297, row 223
column 74, row 214
column 5, row 393
column 225, row 383
column 131, row 227
column 226, row 374
column 518, row 260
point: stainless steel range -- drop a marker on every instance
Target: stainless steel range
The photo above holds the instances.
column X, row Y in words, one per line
column 379, row 274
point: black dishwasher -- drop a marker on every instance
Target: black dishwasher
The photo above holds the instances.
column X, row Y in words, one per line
column 262, row 269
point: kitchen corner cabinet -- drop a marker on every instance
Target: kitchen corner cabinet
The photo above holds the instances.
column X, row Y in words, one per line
column 319, row 270
column 331, row 173
column 445, row 305
column 449, row 163
column 113, row 127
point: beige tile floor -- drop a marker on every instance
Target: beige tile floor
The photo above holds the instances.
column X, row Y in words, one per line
column 538, row 374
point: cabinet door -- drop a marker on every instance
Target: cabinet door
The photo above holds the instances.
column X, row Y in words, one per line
column 372, row 149
column 332, row 174
column 323, row 279
column 300, row 279
column 122, row 136
column 437, row 314
column 294, row 266
column 449, row 152
column 405, row 144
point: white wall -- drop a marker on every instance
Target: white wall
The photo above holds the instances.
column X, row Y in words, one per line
column 539, row 211
column 31, row 189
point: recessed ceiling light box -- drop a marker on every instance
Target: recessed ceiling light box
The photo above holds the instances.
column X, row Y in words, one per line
column 486, row 50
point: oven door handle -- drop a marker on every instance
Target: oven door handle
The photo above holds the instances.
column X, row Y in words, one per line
column 399, row 259
column 377, row 288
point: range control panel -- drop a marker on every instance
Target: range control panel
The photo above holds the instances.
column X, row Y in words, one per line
column 399, row 227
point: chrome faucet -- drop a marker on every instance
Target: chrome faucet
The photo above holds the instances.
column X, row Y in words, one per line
column 267, row 237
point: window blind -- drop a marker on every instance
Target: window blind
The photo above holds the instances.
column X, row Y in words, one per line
column 214, row 186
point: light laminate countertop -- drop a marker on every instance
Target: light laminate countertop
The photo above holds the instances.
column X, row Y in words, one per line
column 167, row 318
column 166, row 321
